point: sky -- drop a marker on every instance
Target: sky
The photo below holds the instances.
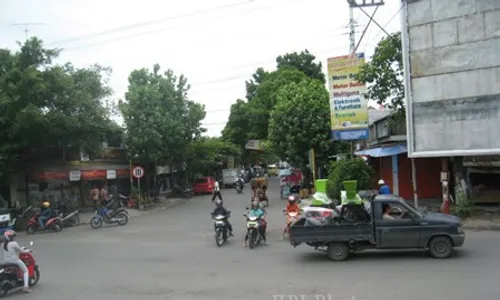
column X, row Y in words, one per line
column 216, row 44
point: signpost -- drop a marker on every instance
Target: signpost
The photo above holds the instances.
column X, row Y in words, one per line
column 138, row 172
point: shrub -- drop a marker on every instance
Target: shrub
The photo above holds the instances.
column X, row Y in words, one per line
column 348, row 169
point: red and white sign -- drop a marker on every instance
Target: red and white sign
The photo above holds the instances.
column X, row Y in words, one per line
column 138, row 172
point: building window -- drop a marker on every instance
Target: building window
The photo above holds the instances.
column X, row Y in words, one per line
column 382, row 129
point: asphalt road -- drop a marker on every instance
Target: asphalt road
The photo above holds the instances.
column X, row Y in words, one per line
column 172, row 254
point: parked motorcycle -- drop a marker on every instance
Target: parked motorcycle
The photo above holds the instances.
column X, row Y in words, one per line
column 221, row 230
column 71, row 219
column 253, row 232
column 180, row 192
column 119, row 216
column 293, row 217
column 55, row 224
column 11, row 277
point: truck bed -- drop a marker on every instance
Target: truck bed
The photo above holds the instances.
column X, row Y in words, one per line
column 316, row 235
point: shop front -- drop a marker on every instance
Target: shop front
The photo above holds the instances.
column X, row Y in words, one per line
column 72, row 188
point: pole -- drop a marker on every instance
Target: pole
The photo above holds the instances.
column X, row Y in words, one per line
column 130, row 174
column 414, row 182
column 352, row 30
column 139, row 185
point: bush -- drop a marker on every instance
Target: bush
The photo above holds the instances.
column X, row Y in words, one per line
column 348, row 169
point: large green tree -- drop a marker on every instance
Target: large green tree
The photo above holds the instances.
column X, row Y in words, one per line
column 47, row 108
column 384, row 74
column 300, row 121
column 160, row 120
column 303, row 61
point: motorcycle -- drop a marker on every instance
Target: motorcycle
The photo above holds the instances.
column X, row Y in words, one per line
column 239, row 187
column 253, row 232
column 293, row 217
column 55, row 224
column 120, row 217
column 71, row 219
column 221, row 230
column 180, row 192
column 11, row 277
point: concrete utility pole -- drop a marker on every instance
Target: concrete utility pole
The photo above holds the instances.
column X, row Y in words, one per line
column 27, row 27
column 352, row 24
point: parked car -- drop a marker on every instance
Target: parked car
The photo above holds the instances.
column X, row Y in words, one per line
column 204, row 185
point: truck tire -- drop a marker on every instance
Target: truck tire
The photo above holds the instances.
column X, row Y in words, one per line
column 338, row 251
column 440, row 247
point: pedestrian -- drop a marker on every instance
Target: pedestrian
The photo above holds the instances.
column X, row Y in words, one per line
column 216, row 192
column 94, row 196
column 104, row 195
column 384, row 188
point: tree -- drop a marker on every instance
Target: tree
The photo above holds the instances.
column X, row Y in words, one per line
column 47, row 108
column 303, row 61
column 301, row 121
column 161, row 121
column 384, row 73
column 202, row 154
column 237, row 129
column 348, row 169
column 251, row 86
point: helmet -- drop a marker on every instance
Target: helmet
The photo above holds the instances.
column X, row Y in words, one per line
column 9, row 235
column 381, row 182
column 291, row 199
column 45, row 203
column 218, row 202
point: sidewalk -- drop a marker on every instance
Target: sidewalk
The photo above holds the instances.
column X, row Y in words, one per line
column 164, row 203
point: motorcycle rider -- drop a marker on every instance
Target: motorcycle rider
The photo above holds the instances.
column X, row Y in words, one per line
column 221, row 210
column 257, row 211
column 291, row 206
column 240, row 181
column 46, row 213
column 11, row 251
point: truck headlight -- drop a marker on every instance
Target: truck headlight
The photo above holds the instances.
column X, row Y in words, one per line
column 460, row 229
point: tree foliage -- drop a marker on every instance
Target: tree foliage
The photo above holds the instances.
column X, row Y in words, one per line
column 303, row 61
column 203, row 153
column 250, row 119
column 46, row 107
column 384, row 73
column 300, row 121
column 161, row 122
column 348, row 169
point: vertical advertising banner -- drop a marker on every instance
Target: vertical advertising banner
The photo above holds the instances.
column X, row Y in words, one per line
column 348, row 106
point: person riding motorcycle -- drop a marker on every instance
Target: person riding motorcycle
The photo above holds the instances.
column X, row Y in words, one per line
column 240, row 181
column 222, row 211
column 46, row 213
column 11, row 251
column 257, row 211
column 291, row 206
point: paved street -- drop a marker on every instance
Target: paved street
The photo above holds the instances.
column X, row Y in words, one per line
column 171, row 254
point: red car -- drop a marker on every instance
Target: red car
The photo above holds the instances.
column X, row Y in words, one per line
column 204, row 185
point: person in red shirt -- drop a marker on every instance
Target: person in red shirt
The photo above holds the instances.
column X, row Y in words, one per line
column 291, row 206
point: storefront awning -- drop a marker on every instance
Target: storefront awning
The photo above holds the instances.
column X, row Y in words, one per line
column 384, row 151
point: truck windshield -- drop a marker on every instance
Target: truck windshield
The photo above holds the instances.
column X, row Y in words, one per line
column 411, row 208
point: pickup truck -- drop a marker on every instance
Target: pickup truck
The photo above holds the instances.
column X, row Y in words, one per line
column 409, row 229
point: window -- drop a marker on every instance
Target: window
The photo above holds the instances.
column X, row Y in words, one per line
column 201, row 180
column 398, row 211
column 382, row 129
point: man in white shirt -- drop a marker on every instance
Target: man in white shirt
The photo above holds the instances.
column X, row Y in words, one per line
column 216, row 192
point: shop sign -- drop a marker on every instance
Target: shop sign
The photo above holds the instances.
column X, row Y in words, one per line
column 74, row 175
column 110, row 174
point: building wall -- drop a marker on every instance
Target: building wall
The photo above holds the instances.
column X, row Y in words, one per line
column 451, row 50
column 428, row 176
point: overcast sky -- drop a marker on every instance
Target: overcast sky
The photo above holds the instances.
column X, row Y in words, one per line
column 217, row 44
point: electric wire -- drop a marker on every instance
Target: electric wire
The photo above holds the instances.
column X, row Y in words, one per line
column 148, row 23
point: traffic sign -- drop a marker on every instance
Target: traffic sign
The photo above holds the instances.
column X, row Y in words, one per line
column 138, row 172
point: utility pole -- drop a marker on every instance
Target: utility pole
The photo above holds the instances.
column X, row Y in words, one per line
column 27, row 27
column 352, row 24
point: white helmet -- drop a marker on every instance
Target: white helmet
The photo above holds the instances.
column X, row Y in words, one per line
column 381, row 182
column 291, row 198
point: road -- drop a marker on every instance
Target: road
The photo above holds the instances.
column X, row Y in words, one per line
column 171, row 254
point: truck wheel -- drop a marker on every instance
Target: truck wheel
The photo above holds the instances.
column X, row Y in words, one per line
column 338, row 251
column 440, row 247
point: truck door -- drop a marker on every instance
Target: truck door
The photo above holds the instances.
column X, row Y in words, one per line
column 398, row 232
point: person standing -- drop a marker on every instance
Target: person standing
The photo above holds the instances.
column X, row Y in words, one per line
column 104, row 195
column 384, row 188
column 216, row 192
column 94, row 196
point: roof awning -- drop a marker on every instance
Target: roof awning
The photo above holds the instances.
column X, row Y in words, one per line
column 383, row 151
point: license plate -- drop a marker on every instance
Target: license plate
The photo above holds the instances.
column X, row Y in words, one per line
column 219, row 223
column 252, row 224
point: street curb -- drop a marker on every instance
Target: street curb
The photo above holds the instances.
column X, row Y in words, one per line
column 482, row 227
column 171, row 203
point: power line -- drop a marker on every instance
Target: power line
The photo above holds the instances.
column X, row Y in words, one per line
column 157, row 21
column 170, row 27
column 389, row 22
